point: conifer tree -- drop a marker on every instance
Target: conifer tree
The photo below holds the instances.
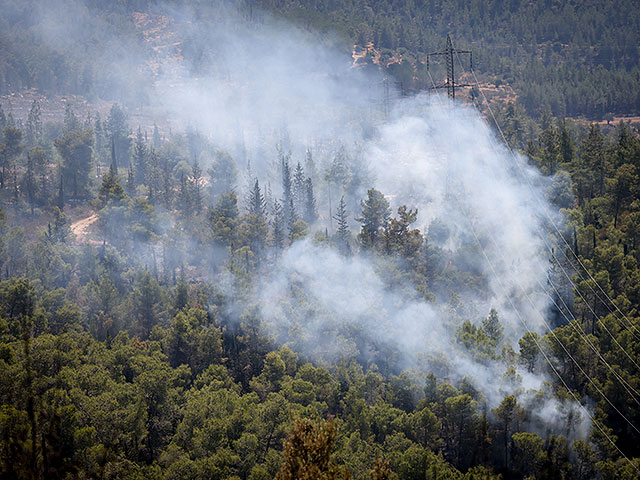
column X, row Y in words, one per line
column 310, row 210
column 34, row 124
column 293, row 218
column 111, row 190
column 342, row 234
column 114, row 158
column 98, row 133
column 566, row 147
column 167, row 183
column 307, row 453
column 70, row 121
column 184, row 197
column 593, row 152
column 140, row 158
column 375, row 212
column 60, row 202
column 30, row 182
column 131, row 181
column 255, row 202
column 156, row 136
column 196, row 187
column 278, row 225
column 299, row 188
column 287, row 200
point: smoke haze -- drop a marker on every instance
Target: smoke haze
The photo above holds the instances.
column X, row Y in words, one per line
column 266, row 84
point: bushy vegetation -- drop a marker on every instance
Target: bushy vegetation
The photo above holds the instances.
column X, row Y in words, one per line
column 121, row 358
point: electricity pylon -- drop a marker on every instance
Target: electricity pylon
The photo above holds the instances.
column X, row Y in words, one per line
column 448, row 53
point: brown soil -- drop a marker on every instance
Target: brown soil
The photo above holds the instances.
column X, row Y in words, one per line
column 81, row 229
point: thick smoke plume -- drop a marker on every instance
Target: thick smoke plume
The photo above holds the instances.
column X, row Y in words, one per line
column 263, row 84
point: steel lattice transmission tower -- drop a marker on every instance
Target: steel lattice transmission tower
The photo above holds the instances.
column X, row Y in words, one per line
column 448, row 54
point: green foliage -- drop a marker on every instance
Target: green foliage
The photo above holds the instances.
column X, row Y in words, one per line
column 307, row 452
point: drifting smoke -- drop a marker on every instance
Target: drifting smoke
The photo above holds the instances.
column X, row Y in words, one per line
column 266, row 83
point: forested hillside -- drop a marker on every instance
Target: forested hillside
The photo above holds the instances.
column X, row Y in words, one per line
column 579, row 58
column 291, row 279
column 576, row 57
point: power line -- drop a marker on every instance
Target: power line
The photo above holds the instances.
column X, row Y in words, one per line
column 447, row 53
column 628, row 323
column 559, row 342
column 518, row 314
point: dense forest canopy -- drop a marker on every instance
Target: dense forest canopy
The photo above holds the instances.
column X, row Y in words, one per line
column 260, row 261
column 577, row 58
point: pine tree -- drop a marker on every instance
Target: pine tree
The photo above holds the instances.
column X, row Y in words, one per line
column 307, row 453
column 131, row 181
column 343, row 234
column 156, row 136
column 375, row 212
column 70, row 121
column 310, row 210
column 12, row 147
column 30, row 182
column 39, row 158
column 140, row 158
column 565, row 146
column 111, row 190
column 492, row 327
column 34, row 124
column 593, row 156
column 293, row 218
column 278, row 225
column 287, row 200
column 60, row 202
column 549, row 150
column 255, row 202
column 114, row 158
column 119, row 131
column 167, row 184
column 184, row 197
column 299, row 188
column 196, row 187
column 310, row 165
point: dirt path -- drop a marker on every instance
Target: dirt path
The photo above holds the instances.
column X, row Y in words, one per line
column 80, row 228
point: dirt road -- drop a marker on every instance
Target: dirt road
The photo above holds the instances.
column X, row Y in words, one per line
column 80, row 228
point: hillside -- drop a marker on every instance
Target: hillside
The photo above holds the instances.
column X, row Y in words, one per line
column 239, row 241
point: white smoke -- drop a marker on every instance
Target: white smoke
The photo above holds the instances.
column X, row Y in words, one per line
column 268, row 83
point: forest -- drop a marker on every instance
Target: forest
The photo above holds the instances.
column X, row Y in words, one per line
column 579, row 58
column 307, row 283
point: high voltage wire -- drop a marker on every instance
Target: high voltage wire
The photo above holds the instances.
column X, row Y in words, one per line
column 581, row 332
column 584, row 336
column 547, row 358
column 627, row 322
column 551, row 250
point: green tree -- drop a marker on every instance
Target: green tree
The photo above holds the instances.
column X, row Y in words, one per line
column 111, row 190
column 75, row 148
column 10, row 148
column 307, row 452
column 397, row 239
column 146, row 298
column 529, row 350
column 593, row 154
column 493, row 328
column 255, row 203
column 509, row 414
column 342, row 235
column 622, row 188
column 223, row 219
column 529, row 455
column 119, row 133
column 375, row 212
